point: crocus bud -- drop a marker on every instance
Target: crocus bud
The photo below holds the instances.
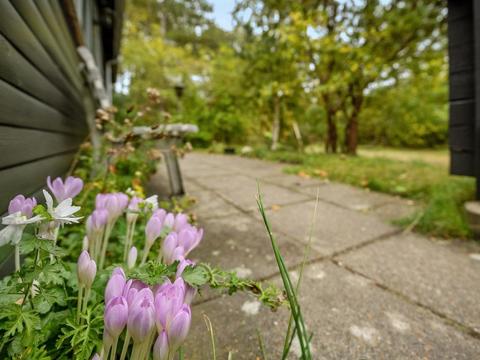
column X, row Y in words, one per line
column 141, row 317
column 132, row 257
column 114, row 287
column 97, row 220
column 161, row 348
column 69, row 189
column 116, row 316
column 180, row 221
column 113, row 203
column 86, row 269
column 153, row 230
column 168, row 301
column 182, row 265
column 178, row 329
column 23, row 205
column 169, row 220
column 133, row 209
column 96, row 357
column 160, row 213
column 168, row 247
column 119, row 271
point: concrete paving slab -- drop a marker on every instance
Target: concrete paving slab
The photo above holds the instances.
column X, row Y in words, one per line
column 210, row 205
column 242, row 191
column 351, row 197
column 240, row 243
column 439, row 276
column 350, row 317
column 335, row 228
column 295, row 182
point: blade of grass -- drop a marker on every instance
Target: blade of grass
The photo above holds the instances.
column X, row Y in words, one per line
column 290, row 335
column 262, row 345
column 287, row 283
column 208, row 323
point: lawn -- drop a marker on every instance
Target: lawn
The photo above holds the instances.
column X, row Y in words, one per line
column 425, row 180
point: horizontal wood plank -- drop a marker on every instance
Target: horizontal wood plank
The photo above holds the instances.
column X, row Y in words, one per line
column 65, row 41
column 462, row 112
column 28, row 178
column 16, row 145
column 461, row 163
column 16, row 70
column 461, row 138
column 461, row 57
column 22, row 110
column 460, row 31
column 459, row 9
column 462, row 85
column 16, row 30
column 33, row 17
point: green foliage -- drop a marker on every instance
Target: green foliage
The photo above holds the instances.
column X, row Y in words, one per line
column 294, row 63
column 406, row 115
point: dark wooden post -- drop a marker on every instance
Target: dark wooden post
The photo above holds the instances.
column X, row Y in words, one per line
column 476, row 45
column 464, row 73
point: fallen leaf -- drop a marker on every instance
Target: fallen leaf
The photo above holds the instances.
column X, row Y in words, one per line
column 303, row 174
column 321, row 173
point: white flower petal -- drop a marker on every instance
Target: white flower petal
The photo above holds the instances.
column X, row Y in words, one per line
column 11, row 234
column 49, row 201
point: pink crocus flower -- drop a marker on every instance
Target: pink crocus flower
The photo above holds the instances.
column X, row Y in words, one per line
column 141, row 316
column 20, row 210
column 181, row 220
column 168, row 301
column 161, row 348
column 153, row 230
column 86, row 269
column 116, row 316
column 114, row 287
column 64, row 190
column 23, row 205
column 114, row 203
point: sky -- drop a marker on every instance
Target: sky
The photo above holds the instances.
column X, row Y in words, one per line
column 222, row 10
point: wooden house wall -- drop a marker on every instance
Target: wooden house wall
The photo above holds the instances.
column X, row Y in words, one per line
column 464, row 92
column 42, row 98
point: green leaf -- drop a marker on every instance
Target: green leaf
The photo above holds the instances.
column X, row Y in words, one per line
column 195, row 276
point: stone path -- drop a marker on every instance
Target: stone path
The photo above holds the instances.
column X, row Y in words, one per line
column 369, row 291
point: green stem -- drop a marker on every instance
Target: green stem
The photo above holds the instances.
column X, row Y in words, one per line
column 85, row 300
column 114, row 349
column 27, row 290
column 17, row 258
column 127, row 238
column 105, row 244
column 79, row 302
column 126, row 342
column 146, row 250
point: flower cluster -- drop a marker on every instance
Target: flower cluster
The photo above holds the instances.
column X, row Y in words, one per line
column 157, row 317
column 21, row 210
column 180, row 236
column 108, row 209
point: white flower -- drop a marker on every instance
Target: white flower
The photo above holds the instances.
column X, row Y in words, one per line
column 152, row 202
column 16, row 223
column 62, row 214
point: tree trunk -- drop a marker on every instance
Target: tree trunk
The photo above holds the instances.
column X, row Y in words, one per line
column 276, row 123
column 332, row 136
column 351, row 135
column 351, row 129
